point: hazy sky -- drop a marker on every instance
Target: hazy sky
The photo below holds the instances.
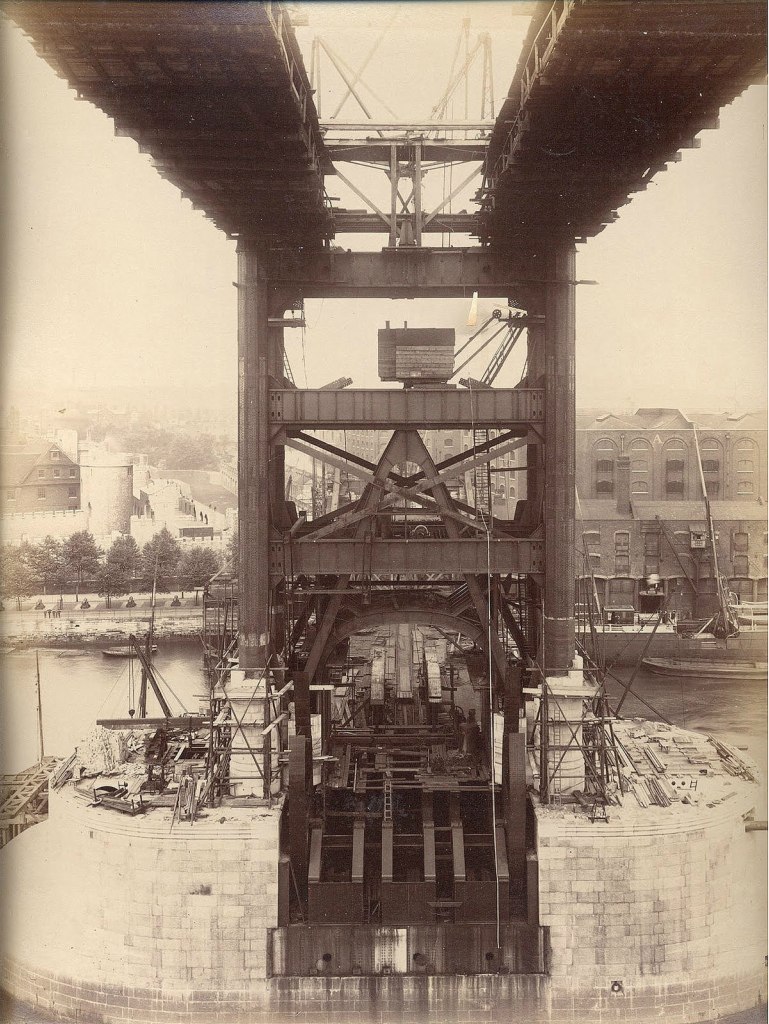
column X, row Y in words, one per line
column 111, row 276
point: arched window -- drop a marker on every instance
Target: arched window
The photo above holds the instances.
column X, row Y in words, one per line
column 746, row 460
column 675, row 467
column 712, row 462
column 641, row 463
column 604, row 456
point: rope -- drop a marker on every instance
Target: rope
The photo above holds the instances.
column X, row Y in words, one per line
column 486, row 521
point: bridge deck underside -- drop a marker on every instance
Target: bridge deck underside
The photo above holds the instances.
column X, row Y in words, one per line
column 216, row 92
column 604, row 95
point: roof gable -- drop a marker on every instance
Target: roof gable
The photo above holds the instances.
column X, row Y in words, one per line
column 19, row 461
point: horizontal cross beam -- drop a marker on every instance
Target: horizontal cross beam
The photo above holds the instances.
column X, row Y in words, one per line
column 407, row 272
column 382, row 409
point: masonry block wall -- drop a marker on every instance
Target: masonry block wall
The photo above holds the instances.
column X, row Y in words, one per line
column 116, row 901
column 673, row 912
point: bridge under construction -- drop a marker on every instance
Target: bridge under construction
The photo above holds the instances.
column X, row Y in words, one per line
column 395, row 681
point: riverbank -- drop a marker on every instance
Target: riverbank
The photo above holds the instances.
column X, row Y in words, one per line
column 46, row 621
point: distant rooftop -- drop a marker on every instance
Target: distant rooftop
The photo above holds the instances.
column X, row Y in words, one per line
column 670, row 419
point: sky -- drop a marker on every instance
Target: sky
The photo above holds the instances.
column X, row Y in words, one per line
column 111, row 277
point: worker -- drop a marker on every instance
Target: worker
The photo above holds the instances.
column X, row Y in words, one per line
column 473, row 746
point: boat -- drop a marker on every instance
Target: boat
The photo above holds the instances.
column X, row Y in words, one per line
column 703, row 669
column 124, row 652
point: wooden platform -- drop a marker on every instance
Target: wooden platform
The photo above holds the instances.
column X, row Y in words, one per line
column 24, row 798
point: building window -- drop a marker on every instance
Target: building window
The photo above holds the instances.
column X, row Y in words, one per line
column 712, row 487
column 72, row 492
column 744, row 486
column 639, row 487
column 652, row 544
column 710, row 465
column 56, row 472
column 620, row 593
column 592, row 537
column 639, row 465
column 675, row 465
column 55, row 453
column 745, row 465
column 448, row 442
column 73, row 472
column 605, row 486
column 41, row 474
column 740, row 565
column 674, row 486
column 11, row 495
column 622, row 565
column 605, row 465
column 740, row 541
column 594, row 561
column 40, row 493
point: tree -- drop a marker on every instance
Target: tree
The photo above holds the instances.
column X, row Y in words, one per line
column 160, row 557
column 196, row 566
column 119, row 569
column 47, row 562
column 82, row 556
column 17, row 578
column 124, row 555
column 112, row 581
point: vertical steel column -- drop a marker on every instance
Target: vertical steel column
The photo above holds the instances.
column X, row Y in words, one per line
column 418, row 193
column 253, row 458
column 559, row 462
column 393, row 195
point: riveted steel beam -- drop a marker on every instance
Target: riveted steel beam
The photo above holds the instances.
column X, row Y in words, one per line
column 378, row 409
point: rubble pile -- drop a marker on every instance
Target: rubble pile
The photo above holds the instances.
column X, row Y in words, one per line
column 101, row 751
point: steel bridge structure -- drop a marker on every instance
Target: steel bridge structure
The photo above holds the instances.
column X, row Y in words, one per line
column 604, row 95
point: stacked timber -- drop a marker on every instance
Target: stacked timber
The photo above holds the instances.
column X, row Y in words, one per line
column 409, row 354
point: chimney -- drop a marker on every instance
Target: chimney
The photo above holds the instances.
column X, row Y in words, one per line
column 622, row 491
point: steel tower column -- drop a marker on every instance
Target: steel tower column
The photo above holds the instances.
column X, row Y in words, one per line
column 253, row 458
column 551, row 466
column 559, row 461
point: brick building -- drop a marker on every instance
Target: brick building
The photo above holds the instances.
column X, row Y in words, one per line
column 38, row 477
column 644, row 531
column 648, row 555
column 660, row 444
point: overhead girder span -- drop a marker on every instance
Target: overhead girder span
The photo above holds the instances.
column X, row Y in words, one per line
column 604, row 96
column 216, row 93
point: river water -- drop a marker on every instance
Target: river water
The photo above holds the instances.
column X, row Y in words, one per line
column 79, row 686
